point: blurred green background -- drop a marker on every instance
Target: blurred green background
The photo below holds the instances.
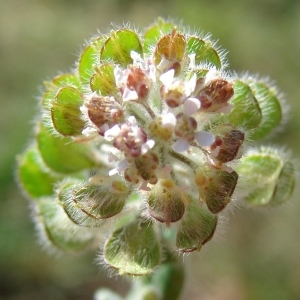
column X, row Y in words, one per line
column 258, row 254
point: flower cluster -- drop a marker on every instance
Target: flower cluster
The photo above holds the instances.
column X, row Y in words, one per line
column 149, row 132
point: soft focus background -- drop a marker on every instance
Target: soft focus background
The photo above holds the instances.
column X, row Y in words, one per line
column 258, row 256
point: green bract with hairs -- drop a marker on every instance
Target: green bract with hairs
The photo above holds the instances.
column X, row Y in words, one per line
column 149, row 132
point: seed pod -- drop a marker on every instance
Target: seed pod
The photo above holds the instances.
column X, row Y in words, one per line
column 89, row 204
column 219, row 190
column 196, row 228
column 133, row 249
column 228, row 143
column 103, row 110
column 169, row 51
column 166, row 202
column 215, row 95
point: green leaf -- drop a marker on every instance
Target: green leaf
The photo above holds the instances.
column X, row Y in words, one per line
column 89, row 204
column 133, row 249
column 103, row 81
column 196, row 228
column 270, row 107
column 118, row 46
column 268, row 177
column 35, row 177
column 59, row 230
column 62, row 154
column 65, row 112
column 203, row 50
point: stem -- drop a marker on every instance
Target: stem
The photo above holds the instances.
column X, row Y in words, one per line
column 183, row 158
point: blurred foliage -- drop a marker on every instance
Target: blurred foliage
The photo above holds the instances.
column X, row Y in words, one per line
column 260, row 257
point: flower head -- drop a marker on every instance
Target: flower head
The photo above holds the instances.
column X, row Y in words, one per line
column 147, row 131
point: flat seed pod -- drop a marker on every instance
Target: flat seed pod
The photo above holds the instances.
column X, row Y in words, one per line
column 217, row 194
column 269, row 176
column 196, row 228
column 89, row 59
column 203, row 50
column 35, row 177
column 246, row 112
column 271, row 110
column 133, row 249
column 166, row 202
column 118, row 46
column 56, row 227
column 63, row 80
column 103, row 81
column 155, row 32
column 65, row 112
column 171, row 47
column 63, row 155
column 88, row 204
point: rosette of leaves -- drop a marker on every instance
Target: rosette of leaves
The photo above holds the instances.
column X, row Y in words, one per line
column 148, row 132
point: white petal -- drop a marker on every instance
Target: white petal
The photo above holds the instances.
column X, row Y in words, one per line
column 112, row 133
column 192, row 58
column 211, row 74
column 190, row 85
column 191, row 105
column 167, row 78
column 168, row 120
column 136, row 56
column 129, row 95
column 112, row 157
column 163, row 65
column 104, row 127
column 152, row 73
column 225, row 109
column 204, row 138
column 147, row 146
column 132, row 120
column 181, row 145
column 122, row 166
column 119, row 76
